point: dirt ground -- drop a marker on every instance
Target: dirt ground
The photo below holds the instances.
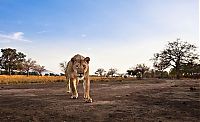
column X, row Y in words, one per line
column 129, row 101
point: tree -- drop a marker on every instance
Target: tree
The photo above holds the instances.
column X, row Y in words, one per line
column 20, row 58
column 161, row 74
column 63, row 66
column 11, row 60
column 142, row 68
column 152, row 73
column 138, row 71
column 28, row 65
column 111, row 72
column 132, row 72
column 189, row 70
column 100, row 71
column 39, row 69
column 174, row 55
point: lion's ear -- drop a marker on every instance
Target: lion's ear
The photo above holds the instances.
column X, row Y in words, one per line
column 87, row 59
column 72, row 60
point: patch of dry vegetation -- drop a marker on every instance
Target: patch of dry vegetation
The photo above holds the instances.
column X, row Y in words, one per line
column 15, row 79
column 106, row 79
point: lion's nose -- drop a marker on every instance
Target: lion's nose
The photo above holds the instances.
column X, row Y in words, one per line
column 80, row 75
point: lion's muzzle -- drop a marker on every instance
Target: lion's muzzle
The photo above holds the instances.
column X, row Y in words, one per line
column 80, row 75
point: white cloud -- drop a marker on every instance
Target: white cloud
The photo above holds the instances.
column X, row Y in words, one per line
column 16, row 36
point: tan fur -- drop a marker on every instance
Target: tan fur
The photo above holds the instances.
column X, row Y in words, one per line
column 78, row 69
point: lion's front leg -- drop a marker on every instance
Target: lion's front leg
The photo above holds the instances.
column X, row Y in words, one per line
column 73, row 85
column 86, row 86
column 68, row 85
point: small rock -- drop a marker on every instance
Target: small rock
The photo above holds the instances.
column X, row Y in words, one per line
column 192, row 89
column 118, row 96
column 174, row 86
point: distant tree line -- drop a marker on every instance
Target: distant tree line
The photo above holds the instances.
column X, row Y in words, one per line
column 180, row 58
column 112, row 72
column 15, row 63
column 177, row 60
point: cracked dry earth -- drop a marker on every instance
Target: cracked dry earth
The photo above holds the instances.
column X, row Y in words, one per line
column 139, row 100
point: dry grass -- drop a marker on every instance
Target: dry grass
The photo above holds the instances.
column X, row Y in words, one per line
column 15, row 79
column 96, row 78
column 5, row 79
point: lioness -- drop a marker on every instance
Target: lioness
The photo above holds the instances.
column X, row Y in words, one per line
column 78, row 69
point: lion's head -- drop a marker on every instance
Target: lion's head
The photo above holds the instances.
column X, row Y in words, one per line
column 80, row 66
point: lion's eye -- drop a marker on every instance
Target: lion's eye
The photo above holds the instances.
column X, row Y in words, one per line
column 84, row 66
column 76, row 66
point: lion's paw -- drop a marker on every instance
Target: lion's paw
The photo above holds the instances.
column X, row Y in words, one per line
column 74, row 96
column 88, row 100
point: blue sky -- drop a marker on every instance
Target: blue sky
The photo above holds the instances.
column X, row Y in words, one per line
column 113, row 33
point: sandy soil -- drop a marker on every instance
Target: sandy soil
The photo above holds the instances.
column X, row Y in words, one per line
column 129, row 101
